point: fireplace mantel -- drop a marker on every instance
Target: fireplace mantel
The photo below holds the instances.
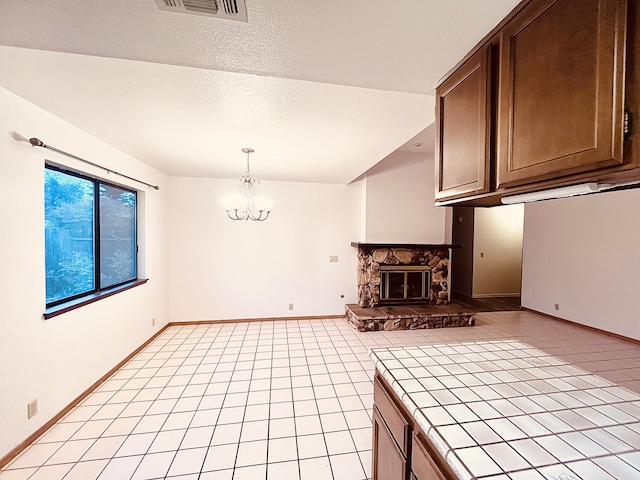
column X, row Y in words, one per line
column 404, row 245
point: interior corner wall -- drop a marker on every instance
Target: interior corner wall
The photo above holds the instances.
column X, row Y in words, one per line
column 448, row 225
column 56, row 360
column 497, row 251
column 583, row 254
column 361, row 184
column 225, row 269
column 400, row 201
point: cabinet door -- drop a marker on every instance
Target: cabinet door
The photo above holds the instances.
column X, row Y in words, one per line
column 388, row 461
column 422, row 465
column 561, row 90
column 463, row 129
column 394, row 419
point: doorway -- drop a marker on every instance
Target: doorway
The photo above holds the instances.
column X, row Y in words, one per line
column 487, row 269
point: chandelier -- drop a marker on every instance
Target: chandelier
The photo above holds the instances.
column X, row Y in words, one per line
column 246, row 205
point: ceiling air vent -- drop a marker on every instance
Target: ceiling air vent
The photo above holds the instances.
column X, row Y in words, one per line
column 225, row 9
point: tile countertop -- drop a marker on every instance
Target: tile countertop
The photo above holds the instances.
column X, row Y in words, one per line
column 504, row 410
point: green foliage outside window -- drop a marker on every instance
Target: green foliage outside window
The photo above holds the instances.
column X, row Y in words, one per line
column 90, row 227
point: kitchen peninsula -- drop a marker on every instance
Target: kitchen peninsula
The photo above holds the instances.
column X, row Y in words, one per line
column 498, row 410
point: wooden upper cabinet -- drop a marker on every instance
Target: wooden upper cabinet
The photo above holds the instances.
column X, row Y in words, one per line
column 463, row 129
column 561, row 90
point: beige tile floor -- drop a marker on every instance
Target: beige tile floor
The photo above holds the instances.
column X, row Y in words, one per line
column 266, row 400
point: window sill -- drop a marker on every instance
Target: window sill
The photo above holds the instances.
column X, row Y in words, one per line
column 94, row 297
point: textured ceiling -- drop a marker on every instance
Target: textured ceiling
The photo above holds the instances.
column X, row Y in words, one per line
column 321, row 90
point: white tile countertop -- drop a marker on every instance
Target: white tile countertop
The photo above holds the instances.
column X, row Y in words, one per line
column 504, row 410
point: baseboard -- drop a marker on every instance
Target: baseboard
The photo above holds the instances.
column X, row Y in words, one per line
column 588, row 327
column 264, row 319
column 46, row 426
column 493, row 295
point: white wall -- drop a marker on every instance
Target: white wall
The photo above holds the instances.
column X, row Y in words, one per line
column 56, row 360
column 399, row 201
column 448, row 225
column 583, row 253
column 497, row 250
column 224, row 269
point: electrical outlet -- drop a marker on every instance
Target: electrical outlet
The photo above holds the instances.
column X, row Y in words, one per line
column 556, row 306
column 153, row 322
column 291, row 306
column 32, row 409
column 333, row 259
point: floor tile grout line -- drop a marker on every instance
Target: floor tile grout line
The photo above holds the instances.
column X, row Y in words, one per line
column 293, row 407
column 210, row 343
column 65, row 442
column 151, row 404
column 141, row 418
column 322, row 427
column 346, row 420
column 366, row 409
column 243, row 414
column 269, row 419
column 223, row 400
column 289, row 333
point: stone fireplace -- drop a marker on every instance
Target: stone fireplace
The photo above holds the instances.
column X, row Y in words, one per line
column 397, row 274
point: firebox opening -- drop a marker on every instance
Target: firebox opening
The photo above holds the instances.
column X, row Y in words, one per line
column 404, row 284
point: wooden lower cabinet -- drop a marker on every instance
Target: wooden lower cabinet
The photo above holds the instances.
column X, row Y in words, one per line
column 388, row 461
column 423, row 466
column 400, row 449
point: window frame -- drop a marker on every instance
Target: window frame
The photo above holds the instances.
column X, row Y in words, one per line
column 98, row 292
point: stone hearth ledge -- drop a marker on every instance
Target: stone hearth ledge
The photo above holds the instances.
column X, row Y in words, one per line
column 408, row 317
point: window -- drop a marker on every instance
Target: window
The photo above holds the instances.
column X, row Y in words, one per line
column 90, row 235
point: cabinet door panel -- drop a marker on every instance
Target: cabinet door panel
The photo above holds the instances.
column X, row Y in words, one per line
column 561, row 90
column 394, row 419
column 388, row 461
column 463, row 129
column 422, row 465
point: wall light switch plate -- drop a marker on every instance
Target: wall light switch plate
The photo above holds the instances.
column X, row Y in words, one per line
column 32, row 409
column 333, row 259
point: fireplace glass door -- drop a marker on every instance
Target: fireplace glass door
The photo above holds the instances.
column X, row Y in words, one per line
column 404, row 283
column 394, row 284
